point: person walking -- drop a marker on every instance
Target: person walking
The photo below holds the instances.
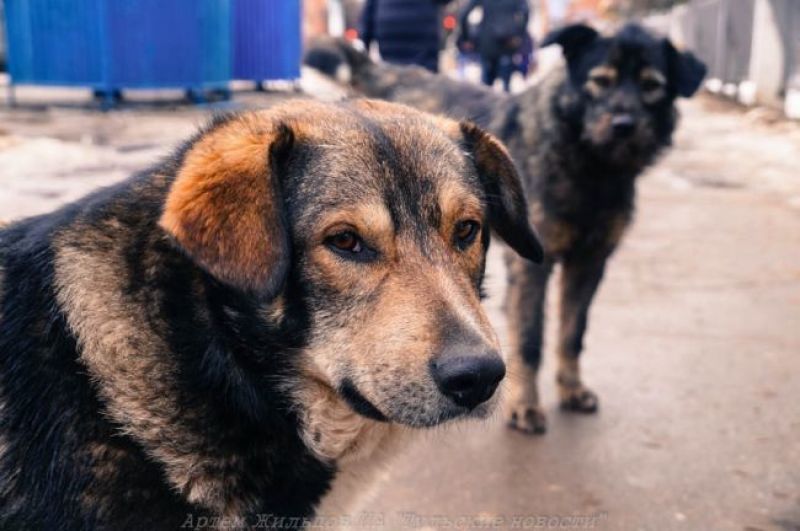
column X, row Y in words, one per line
column 500, row 36
column 407, row 31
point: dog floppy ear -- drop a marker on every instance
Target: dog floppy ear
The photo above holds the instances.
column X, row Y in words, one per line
column 572, row 39
column 686, row 71
column 225, row 211
column 508, row 209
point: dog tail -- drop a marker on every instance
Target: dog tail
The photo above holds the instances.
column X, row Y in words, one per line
column 337, row 59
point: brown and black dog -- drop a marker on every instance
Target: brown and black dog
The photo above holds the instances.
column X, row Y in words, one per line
column 580, row 138
column 244, row 330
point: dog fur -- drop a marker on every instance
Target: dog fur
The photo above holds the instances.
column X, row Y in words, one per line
column 246, row 329
column 579, row 173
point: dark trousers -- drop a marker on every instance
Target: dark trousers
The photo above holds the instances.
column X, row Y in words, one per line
column 404, row 53
column 501, row 66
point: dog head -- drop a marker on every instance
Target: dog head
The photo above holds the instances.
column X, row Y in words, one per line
column 621, row 89
column 371, row 221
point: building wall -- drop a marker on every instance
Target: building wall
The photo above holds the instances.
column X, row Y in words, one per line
column 755, row 43
column 315, row 18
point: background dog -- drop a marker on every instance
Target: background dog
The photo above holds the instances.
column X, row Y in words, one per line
column 579, row 138
column 231, row 331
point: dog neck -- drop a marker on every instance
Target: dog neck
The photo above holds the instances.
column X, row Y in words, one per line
column 360, row 448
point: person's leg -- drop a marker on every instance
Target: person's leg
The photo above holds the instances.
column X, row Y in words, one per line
column 488, row 70
column 461, row 65
column 505, row 69
column 430, row 59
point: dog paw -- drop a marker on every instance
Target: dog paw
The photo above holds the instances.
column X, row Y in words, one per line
column 527, row 419
column 579, row 399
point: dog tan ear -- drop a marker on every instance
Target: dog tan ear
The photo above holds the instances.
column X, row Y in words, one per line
column 508, row 208
column 225, row 207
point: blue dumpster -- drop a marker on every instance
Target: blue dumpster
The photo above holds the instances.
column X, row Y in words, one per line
column 266, row 39
column 110, row 45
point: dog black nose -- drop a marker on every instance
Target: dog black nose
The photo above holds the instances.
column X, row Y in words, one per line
column 623, row 124
column 468, row 379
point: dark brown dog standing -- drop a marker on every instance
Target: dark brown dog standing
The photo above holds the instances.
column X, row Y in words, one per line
column 580, row 138
column 238, row 335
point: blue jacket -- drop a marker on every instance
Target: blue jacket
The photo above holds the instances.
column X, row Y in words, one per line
column 407, row 31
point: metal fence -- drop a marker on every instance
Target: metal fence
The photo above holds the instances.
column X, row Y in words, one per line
column 755, row 41
column 787, row 14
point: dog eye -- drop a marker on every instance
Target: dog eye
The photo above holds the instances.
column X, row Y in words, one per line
column 349, row 245
column 465, row 233
column 649, row 84
column 346, row 241
column 601, row 80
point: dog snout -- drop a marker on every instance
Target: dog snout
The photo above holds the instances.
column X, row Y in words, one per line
column 468, row 379
column 623, row 125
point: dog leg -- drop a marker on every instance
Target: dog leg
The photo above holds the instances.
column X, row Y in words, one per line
column 580, row 277
column 527, row 285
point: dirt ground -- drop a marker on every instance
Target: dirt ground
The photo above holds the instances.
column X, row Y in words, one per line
column 693, row 346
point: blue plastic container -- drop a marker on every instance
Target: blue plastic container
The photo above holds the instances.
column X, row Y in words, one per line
column 54, row 42
column 115, row 44
column 267, row 39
